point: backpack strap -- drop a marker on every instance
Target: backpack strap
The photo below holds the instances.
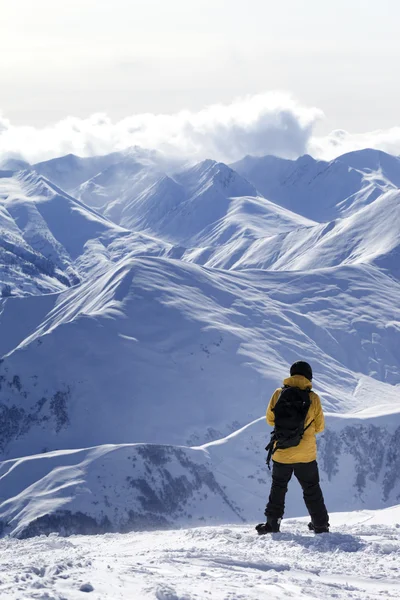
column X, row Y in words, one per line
column 270, row 449
column 310, row 423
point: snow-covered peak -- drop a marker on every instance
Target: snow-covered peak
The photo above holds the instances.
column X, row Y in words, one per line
column 374, row 161
column 70, row 171
column 43, row 232
column 321, row 190
column 211, row 173
column 368, row 158
column 177, row 207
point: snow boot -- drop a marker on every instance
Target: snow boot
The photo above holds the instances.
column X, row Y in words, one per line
column 318, row 528
column 271, row 526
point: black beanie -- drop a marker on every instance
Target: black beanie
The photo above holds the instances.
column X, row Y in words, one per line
column 301, row 368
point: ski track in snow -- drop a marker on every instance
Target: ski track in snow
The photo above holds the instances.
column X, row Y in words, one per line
column 357, row 561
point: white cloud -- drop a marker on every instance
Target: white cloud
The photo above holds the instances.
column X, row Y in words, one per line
column 270, row 123
column 339, row 142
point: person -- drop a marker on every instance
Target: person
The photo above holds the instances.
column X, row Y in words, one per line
column 300, row 458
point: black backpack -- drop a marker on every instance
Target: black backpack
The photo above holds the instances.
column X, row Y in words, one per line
column 290, row 412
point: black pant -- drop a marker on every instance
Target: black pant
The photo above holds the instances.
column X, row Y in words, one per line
column 308, row 477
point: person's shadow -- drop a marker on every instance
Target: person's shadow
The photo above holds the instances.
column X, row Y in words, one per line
column 324, row 542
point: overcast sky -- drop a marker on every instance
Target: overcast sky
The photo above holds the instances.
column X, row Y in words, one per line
column 127, row 57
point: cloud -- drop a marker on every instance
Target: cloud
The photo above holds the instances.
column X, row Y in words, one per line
column 339, row 142
column 270, row 123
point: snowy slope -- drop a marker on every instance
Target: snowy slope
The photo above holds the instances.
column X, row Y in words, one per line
column 319, row 190
column 209, row 187
column 175, row 207
column 35, row 204
column 359, row 560
column 369, row 236
column 111, row 488
column 23, row 269
column 70, row 171
column 20, row 316
column 191, row 354
column 112, row 187
column 374, row 161
column 43, row 231
column 248, row 222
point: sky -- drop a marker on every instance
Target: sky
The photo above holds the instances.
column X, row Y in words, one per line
column 128, row 59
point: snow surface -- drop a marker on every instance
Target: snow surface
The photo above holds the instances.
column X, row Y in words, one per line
column 358, row 560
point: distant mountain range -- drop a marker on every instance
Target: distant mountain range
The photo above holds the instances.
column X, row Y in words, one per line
column 144, row 301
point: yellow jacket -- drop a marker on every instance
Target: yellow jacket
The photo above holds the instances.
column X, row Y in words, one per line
column 306, row 451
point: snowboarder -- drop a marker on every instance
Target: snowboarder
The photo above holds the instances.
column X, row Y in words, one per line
column 296, row 414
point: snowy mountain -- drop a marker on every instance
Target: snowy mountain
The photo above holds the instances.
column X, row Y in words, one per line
column 222, row 222
column 70, row 171
column 175, row 207
column 148, row 313
column 369, row 236
column 112, row 187
column 146, row 330
column 43, row 233
column 323, row 191
column 374, row 161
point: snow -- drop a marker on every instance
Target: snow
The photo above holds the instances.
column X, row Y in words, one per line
column 43, row 232
column 374, row 161
column 176, row 207
column 20, row 317
column 223, row 223
column 52, row 207
column 107, row 489
column 215, row 338
column 359, row 560
column 319, row 190
column 70, row 171
column 154, row 309
column 208, row 213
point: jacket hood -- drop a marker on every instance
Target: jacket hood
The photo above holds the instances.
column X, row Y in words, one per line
column 298, row 381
